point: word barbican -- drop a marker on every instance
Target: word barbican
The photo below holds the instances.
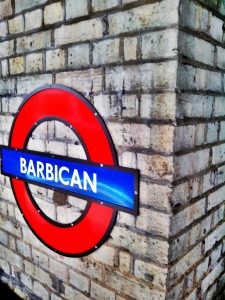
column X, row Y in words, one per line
column 63, row 174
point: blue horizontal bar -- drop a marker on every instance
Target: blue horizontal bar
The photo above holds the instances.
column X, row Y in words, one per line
column 114, row 186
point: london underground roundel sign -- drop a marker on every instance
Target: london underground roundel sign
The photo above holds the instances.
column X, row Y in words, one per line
column 106, row 186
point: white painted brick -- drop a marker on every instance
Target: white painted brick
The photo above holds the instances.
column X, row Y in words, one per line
column 79, row 281
column 16, row 65
column 155, row 222
column 130, row 48
column 130, row 105
column 76, row 151
column 28, row 84
column 222, row 131
column 214, row 237
column 140, row 244
column 150, row 273
column 67, row 214
column 212, row 132
column 16, row 25
column 146, row 76
column 99, row 292
column 155, row 166
column 216, row 28
column 214, row 81
column 23, row 249
column 26, row 4
column 126, row 219
column 127, row 134
column 192, row 47
column 216, row 198
column 202, row 269
column 4, row 266
column 82, row 81
column 160, row 106
column 99, row 5
column 184, row 264
column 30, row 17
column 124, row 262
column 215, row 256
column 6, row 48
column 191, row 163
column 162, row 138
column 107, row 51
column 5, row 8
column 75, row 9
column 72, row 294
column 3, row 238
column 105, row 255
column 185, row 217
column 189, row 14
column 78, row 32
column 200, row 134
column 40, row 259
column 35, row 41
column 26, row 280
column 6, row 123
column 159, row 44
column 184, row 137
column 40, row 290
column 132, row 288
column 38, row 145
column 220, row 57
column 53, row 13
column 4, row 67
column 218, row 154
column 78, row 56
column 3, row 29
column 146, row 16
column 219, row 109
column 211, row 277
column 34, row 62
column 55, row 59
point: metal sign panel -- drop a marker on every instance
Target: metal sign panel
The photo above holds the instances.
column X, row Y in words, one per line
column 107, row 187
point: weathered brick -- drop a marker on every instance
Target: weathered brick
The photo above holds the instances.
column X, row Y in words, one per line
column 23, row 249
column 132, row 288
column 140, row 244
column 156, row 166
column 130, row 48
column 76, row 9
column 29, row 83
column 220, row 54
column 214, row 237
column 4, row 67
column 26, row 4
column 212, row 132
column 99, row 5
column 55, row 59
column 6, row 48
column 189, row 14
column 3, row 29
column 16, row 25
column 184, row 264
column 99, row 292
column 150, row 273
column 159, row 44
column 79, row 56
column 146, row 16
column 40, row 290
column 219, row 109
column 79, row 281
column 130, row 105
column 191, row 163
column 16, row 65
column 202, row 269
column 7, row 86
column 142, row 77
column 105, row 255
column 160, row 106
column 185, row 217
column 53, row 13
column 30, row 17
column 83, row 81
column 35, row 41
column 124, row 262
column 211, row 277
column 184, row 137
column 155, row 222
column 78, row 32
column 5, row 8
column 216, row 198
column 107, row 51
column 218, row 154
column 216, row 28
column 191, row 47
column 162, row 138
column 34, row 62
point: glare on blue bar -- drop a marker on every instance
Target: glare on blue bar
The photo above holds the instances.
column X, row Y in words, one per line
column 115, row 186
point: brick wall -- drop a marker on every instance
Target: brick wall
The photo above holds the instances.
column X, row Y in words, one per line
column 197, row 229
column 142, row 64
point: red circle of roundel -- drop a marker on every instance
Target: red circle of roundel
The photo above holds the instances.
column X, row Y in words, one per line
column 94, row 226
